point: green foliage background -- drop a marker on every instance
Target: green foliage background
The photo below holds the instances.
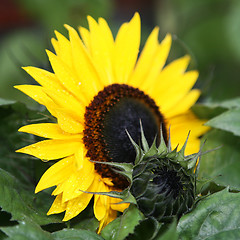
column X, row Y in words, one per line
column 208, row 30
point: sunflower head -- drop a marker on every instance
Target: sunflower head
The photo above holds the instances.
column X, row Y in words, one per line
column 99, row 87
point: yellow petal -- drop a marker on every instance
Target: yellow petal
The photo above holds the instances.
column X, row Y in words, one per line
column 102, row 48
column 66, row 76
column 67, row 123
column 106, row 31
column 48, row 130
column 170, row 76
column 37, row 93
column 88, row 76
column 51, row 149
column 64, row 52
column 58, row 190
column 170, row 97
column 99, row 209
column 66, row 101
column 101, row 201
column 179, row 65
column 184, row 104
column 82, row 161
column 57, row 206
column 109, row 217
column 193, row 146
column 55, row 45
column 85, row 37
column 46, row 79
column 126, row 49
column 116, row 205
column 157, row 64
column 144, row 62
column 56, row 174
column 78, row 204
column 80, row 180
column 181, row 125
column 108, row 181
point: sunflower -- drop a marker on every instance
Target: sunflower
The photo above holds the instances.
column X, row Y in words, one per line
column 99, row 88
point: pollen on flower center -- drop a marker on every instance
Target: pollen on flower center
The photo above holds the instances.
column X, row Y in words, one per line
column 114, row 110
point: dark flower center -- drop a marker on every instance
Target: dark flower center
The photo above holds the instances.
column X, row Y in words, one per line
column 114, row 110
column 168, row 182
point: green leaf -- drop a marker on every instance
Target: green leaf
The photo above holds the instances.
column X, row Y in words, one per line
column 221, row 165
column 212, row 109
column 27, row 230
column 78, row 234
column 216, row 217
column 170, row 233
column 86, row 223
column 147, row 229
column 3, row 236
column 123, row 225
column 12, row 117
column 19, row 202
column 228, row 121
column 228, row 104
column 5, row 102
column 207, row 111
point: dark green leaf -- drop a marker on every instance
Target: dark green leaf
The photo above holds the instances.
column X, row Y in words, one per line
column 19, row 202
column 146, row 229
column 86, row 223
column 27, row 230
column 3, row 236
column 78, row 234
column 12, row 117
column 216, row 217
column 222, row 165
column 123, row 225
column 228, row 121
column 170, row 233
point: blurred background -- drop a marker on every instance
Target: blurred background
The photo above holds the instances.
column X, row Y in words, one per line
column 208, row 30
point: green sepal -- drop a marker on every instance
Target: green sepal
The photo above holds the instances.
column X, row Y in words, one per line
column 172, row 154
column 139, row 152
column 125, row 195
column 181, row 153
column 162, row 148
column 169, row 145
column 152, row 150
column 125, row 168
column 144, row 140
